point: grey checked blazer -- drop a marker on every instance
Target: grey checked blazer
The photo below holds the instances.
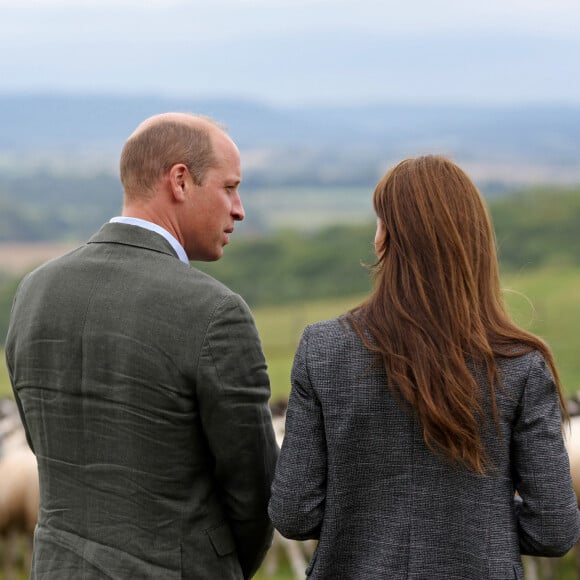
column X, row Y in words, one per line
column 355, row 474
column 143, row 389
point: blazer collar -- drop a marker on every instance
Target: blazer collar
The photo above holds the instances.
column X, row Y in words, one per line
column 129, row 235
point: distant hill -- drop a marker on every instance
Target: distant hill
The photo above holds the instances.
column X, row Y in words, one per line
column 310, row 144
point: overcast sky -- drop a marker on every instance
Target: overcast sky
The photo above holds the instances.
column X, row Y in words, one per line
column 296, row 51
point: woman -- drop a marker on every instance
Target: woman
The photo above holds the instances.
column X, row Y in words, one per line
column 424, row 429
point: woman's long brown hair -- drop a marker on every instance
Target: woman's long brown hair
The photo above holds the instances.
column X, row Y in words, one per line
column 437, row 304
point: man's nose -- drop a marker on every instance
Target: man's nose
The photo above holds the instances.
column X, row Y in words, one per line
column 238, row 209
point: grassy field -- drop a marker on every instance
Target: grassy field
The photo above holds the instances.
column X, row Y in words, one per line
column 550, row 307
column 545, row 301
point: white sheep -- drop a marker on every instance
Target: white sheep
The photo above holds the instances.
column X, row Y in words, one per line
column 19, row 491
column 572, row 438
column 12, row 434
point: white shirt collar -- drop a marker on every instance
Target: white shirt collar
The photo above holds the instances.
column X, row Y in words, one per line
column 154, row 228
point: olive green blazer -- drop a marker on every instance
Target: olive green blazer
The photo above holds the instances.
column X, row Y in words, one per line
column 144, row 393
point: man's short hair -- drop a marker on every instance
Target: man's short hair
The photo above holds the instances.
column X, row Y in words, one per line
column 151, row 152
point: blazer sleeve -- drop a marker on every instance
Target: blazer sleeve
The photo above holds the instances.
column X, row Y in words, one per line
column 547, row 514
column 299, row 489
column 233, row 394
column 9, row 357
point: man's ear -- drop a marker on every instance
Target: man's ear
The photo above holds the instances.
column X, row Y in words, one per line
column 178, row 177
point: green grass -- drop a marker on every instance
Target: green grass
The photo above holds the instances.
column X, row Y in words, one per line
column 545, row 301
column 5, row 389
column 550, row 308
column 281, row 328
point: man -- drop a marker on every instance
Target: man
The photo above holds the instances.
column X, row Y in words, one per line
column 141, row 381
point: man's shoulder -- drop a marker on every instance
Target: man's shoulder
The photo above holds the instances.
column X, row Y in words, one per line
column 55, row 265
column 192, row 275
column 191, row 286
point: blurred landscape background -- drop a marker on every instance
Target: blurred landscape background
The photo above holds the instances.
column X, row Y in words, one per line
column 308, row 177
column 322, row 97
